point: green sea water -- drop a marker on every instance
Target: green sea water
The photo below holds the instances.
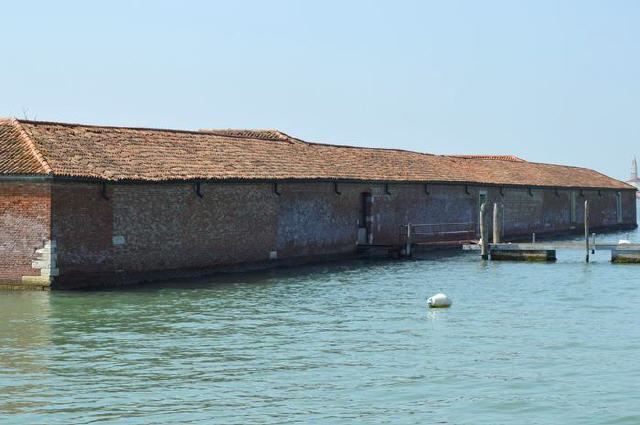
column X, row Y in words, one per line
column 351, row 342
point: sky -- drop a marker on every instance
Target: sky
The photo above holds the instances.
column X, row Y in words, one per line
column 549, row 81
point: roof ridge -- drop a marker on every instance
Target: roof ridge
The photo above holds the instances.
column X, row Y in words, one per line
column 240, row 129
column 491, row 157
column 212, row 131
column 168, row 130
column 26, row 138
column 249, row 133
column 111, row 127
column 578, row 167
column 552, row 164
column 288, row 136
column 335, row 145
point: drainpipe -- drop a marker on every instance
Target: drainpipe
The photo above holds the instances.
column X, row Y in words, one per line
column 103, row 192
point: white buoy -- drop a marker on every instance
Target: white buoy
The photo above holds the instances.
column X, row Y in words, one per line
column 439, row 301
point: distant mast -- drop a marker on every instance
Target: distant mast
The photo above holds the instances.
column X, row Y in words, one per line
column 634, row 180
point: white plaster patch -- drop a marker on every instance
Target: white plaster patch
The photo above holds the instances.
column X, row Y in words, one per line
column 118, row 240
column 46, row 261
column 49, row 272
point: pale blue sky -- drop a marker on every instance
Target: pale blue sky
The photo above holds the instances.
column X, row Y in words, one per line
column 550, row 81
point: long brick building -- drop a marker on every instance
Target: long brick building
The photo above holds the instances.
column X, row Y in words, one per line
column 85, row 205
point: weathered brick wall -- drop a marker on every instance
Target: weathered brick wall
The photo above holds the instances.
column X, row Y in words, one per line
column 82, row 228
column 549, row 211
column 154, row 227
column 524, row 213
column 24, row 229
column 602, row 208
column 313, row 219
column 412, row 204
column 629, row 206
column 168, row 226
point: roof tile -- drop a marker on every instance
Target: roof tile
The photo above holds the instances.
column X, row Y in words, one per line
column 117, row 153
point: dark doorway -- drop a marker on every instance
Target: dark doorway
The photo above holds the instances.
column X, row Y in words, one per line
column 365, row 218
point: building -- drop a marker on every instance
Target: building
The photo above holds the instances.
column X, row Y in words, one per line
column 634, row 180
column 85, row 205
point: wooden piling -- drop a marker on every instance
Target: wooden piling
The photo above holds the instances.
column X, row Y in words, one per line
column 497, row 223
column 484, row 236
column 586, row 228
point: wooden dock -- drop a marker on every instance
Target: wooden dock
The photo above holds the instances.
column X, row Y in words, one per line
column 519, row 246
column 546, row 251
column 436, row 234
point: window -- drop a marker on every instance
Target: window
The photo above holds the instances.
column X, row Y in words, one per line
column 573, row 207
column 619, row 207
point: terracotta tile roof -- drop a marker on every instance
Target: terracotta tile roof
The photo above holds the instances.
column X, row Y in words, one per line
column 250, row 134
column 496, row 157
column 17, row 154
column 123, row 154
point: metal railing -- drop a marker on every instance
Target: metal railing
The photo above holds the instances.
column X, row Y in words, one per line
column 425, row 232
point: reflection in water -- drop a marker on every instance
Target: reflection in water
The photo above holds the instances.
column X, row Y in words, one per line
column 24, row 333
column 345, row 342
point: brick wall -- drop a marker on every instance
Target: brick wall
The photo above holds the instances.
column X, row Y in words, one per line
column 313, row 219
column 402, row 204
column 629, row 206
column 549, row 211
column 82, row 228
column 169, row 226
column 24, row 229
column 147, row 228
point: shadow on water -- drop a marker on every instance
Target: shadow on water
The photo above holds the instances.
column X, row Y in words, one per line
column 276, row 275
column 255, row 277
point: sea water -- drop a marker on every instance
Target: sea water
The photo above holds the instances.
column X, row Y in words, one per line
column 351, row 342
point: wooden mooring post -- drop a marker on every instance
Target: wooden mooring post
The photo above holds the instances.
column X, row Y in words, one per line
column 484, row 235
column 497, row 223
column 586, row 228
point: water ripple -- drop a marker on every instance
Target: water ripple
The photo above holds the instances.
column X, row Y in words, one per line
column 345, row 342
